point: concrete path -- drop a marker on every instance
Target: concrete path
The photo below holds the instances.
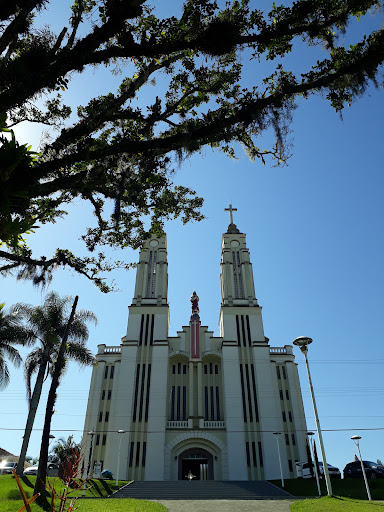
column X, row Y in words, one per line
column 226, row 505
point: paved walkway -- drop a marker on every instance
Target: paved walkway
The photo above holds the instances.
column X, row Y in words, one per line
column 226, row 505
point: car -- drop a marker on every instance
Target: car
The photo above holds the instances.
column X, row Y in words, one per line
column 304, row 470
column 6, row 467
column 372, row 469
column 333, row 471
column 52, row 470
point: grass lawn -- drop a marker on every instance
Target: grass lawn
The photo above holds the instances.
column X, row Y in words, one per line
column 353, row 488
column 336, row 504
column 10, row 499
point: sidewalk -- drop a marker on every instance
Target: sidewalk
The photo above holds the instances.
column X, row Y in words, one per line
column 226, row 505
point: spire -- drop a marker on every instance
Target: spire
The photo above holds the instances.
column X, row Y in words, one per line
column 152, row 274
column 232, row 228
column 237, row 287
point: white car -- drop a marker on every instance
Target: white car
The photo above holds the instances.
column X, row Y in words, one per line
column 6, row 467
column 52, row 470
column 304, row 470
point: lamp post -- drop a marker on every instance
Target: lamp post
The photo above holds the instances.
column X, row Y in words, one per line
column 277, row 437
column 310, row 434
column 91, row 433
column 118, row 456
column 302, row 342
column 356, row 439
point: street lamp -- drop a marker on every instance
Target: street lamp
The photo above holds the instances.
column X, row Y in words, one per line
column 277, row 437
column 310, row 434
column 118, row 456
column 302, row 342
column 356, row 439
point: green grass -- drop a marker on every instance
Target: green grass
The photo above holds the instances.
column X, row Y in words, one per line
column 10, row 499
column 353, row 488
column 337, row 504
column 120, row 505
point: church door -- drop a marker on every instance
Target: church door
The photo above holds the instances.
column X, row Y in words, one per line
column 196, row 464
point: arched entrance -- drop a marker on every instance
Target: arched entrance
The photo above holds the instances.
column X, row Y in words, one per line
column 196, row 461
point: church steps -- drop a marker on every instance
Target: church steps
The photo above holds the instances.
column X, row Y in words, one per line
column 201, row 490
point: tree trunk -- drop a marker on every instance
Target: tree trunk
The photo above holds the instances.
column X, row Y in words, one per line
column 43, row 459
column 31, row 416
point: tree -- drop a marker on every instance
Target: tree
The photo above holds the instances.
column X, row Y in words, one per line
column 122, row 148
column 11, row 333
column 47, row 324
column 63, row 452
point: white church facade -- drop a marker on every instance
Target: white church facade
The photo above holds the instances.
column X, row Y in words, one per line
column 195, row 404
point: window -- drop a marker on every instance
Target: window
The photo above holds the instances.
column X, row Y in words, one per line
column 290, row 466
column 97, row 439
column 107, row 416
column 205, row 369
column 216, row 369
column 290, row 415
column 103, row 394
column 278, row 372
column 179, row 368
column 184, row 369
column 281, row 395
column 112, row 372
column 284, row 416
column 101, row 416
column 247, row 451
column 173, row 403
column 287, row 439
column 109, row 394
column 184, row 403
column 173, row 369
column 284, row 372
column 210, row 368
column 293, row 440
column 144, row 453
column 106, row 372
column 261, row 455
column 104, row 439
column 137, row 454
column 131, row 455
column 287, row 394
column 206, row 403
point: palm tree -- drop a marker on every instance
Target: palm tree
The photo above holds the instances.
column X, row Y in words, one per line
column 46, row 324
column 11, row 333
column 64, row 452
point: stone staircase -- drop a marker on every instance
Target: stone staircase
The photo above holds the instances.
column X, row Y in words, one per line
column 201, row 490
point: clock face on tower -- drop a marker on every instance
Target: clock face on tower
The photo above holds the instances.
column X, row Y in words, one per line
column 235, row 243
column 153, row 243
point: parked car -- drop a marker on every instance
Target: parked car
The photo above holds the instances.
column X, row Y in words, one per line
column 6, row 467
column 52, row 470
column 372, row 469
column 304, row 470
column 333, row 471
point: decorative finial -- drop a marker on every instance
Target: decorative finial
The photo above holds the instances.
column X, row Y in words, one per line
column 195, row 303
column 230, row 210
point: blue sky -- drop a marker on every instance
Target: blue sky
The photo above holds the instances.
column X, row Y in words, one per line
column 314, row 230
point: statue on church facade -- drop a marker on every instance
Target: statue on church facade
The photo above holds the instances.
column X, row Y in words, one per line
column 195, row 303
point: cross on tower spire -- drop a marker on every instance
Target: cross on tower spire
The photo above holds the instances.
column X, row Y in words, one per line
column 230, row 210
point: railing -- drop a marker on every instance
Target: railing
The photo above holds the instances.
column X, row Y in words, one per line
column 177, row 424
column 214, row 424
column 278, row 350
column 112, row 350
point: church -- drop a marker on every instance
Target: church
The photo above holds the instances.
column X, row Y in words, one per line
column 195, row 406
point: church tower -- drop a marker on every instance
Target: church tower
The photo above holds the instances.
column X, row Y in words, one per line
column 256, row 387
column 195, row 405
